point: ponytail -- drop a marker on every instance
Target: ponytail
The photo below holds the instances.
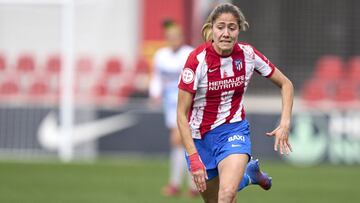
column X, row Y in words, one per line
column 206, row 32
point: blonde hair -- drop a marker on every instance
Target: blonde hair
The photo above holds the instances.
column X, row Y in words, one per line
column 206, row 30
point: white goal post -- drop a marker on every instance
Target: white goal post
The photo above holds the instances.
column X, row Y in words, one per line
column 65, row 151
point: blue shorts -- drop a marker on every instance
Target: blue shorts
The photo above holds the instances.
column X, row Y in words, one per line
column 217, row 144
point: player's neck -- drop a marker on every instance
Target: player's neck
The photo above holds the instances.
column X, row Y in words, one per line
column 222, row 52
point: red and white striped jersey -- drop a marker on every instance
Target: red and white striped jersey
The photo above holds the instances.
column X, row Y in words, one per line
column 219, row 84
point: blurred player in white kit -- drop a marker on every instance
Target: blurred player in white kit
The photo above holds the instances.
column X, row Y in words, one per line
column 168, row 63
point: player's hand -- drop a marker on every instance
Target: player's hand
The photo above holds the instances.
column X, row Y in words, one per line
column 281, row 134
column 198, row 172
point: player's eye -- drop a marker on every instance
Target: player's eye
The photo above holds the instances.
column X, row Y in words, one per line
column 233, row 28
column 220, row 27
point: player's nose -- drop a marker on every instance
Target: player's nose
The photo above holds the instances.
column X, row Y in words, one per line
column 226, row 32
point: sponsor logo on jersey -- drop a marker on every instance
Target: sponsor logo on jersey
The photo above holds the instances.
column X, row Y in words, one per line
column 227, row 83
column 212, row 70
column 187, row 76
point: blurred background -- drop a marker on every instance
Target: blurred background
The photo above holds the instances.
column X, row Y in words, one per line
column 74, row 101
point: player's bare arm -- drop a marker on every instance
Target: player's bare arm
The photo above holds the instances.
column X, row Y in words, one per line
column 281, row 133
column 197, row 168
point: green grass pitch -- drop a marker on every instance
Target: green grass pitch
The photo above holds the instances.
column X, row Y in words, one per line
column 140, row 180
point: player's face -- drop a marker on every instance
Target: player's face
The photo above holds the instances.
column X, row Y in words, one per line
column 225, row 33
column 174, row 38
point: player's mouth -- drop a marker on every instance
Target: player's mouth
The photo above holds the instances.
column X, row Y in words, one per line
column 225, row 41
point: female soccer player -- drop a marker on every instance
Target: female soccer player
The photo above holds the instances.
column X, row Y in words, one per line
column 168, row 62
column 210, row 112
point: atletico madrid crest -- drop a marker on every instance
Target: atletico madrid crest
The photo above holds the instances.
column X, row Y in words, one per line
column 238, row 64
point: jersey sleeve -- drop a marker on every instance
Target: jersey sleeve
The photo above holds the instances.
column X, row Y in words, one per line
column 189, row 76
column 263, row 65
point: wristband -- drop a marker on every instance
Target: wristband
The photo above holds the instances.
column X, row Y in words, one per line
column 195, row 162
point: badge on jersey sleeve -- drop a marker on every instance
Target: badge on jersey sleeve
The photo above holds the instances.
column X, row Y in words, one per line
column 187, row 76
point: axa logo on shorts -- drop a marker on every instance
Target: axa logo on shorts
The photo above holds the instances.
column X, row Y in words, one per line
column 236, row 137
